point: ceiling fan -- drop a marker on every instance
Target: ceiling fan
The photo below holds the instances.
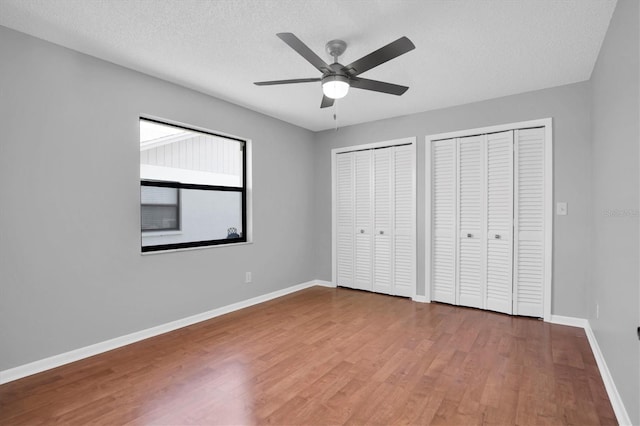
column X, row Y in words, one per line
column 337, row 78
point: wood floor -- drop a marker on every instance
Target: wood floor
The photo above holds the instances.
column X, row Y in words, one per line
column 329, row 356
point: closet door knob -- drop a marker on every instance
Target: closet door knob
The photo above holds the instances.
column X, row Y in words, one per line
column 497, row 237
column 469, row 235
column 381, row 232
column 362, row 231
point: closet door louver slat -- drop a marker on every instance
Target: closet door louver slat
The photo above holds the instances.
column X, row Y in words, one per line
column 363, row 218
column 499, row 223
column 404, row 238
column 529, row 223
column 443, row 206
column 344, row 220
column 471, row 234
column 383, row 218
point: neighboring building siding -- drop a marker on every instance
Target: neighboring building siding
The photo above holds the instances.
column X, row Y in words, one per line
column 201, row 153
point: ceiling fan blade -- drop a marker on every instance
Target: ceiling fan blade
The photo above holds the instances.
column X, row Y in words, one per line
column 377, row 86
column 326, row 102
column 380, row 56
column 295, row 80
column 303, row 50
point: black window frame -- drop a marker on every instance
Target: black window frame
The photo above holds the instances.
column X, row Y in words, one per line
column 179, row 185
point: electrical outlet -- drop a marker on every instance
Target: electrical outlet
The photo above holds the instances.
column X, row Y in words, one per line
column 247, row 277
column 561, row 209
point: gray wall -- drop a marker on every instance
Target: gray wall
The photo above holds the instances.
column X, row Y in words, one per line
column 615, row 284
column 71, row 272
column 569, row 108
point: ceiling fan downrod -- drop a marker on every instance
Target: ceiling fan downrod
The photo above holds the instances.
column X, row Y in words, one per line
column 336, row 48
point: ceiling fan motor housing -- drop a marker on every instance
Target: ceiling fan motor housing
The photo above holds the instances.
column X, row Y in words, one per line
column 336, row 69
column 335, row 77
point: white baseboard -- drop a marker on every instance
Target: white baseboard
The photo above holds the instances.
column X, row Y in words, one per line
column 612, row 391
column 616, row 402
column 420, row 299
column 324, row 283
column 571, row 321
column 98, row 348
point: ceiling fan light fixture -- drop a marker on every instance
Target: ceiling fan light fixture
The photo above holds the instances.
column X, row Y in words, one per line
column 335, row 86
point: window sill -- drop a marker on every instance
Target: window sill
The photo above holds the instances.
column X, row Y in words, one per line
column 244, row 243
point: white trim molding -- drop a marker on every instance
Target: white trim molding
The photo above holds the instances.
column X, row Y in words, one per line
column 570, row 321
column 321, row 283
column 374, row 145
column 98, row 348
column 614, row 397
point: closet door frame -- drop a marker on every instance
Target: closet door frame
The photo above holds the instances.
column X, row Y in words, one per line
column 547, row 123
column 382, row 144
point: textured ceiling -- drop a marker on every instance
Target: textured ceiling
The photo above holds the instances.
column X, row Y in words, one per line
column 466, row 50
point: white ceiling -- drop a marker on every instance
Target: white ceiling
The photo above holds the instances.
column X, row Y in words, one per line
column 466, row 50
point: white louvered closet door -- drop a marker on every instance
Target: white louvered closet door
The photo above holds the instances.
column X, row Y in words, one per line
column 374, row 219
column 499, row 272
column 404, row 234
column 471, row 219
column 443, row 211
column 529, row 223
column 345, row 220
column 363, row 220
column 383, row 220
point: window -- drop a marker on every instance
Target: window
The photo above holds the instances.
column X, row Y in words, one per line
column 159, row 208
column 192, row 187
